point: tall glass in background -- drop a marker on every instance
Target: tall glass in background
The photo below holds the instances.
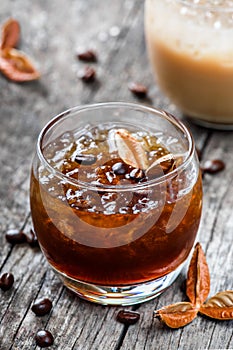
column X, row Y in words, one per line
column 190, row 45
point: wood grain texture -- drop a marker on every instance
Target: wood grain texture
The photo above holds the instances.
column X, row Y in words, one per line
column 50, row 33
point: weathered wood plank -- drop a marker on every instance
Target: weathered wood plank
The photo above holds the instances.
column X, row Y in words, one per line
column 216, row 238
column 50, row 36
column 24, row 110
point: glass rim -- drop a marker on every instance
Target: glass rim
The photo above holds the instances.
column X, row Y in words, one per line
column 115, row 188
column 206, row 7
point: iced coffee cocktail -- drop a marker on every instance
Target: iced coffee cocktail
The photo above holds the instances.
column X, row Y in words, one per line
column 116, row 200
column 190, row 45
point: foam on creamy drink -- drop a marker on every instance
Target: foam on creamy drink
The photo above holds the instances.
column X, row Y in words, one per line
column 190, row 44
column 114, row 206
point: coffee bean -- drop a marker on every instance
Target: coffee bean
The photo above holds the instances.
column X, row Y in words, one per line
column 87, row 74
column 137, row 174
column 32, row 239
column 42, row 307
column 137, row 89
column 85, row 159
column 213, row 166
column 86, row 55
column 128, row 317
column 44, row 338
column 6, row 281
column 119, row 168
column 14, row 236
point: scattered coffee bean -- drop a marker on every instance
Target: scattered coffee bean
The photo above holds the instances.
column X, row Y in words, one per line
column 128, row 317
column 42, row 307
column 86, row 55
column 14, row 236
column 213, row 166
column 44, row 338
column 85, row 159
column 6, row 281
column 137, row 89
column 137, row 174
column 87, row 74
column 32, row 239
column 119, row 168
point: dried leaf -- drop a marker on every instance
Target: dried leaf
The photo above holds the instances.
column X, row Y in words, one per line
column 219, row 306
column 131, row 150
column 16, row 66
column 197, row 289
column 166, row 162
column 10, row 34
column 177, row 315
column 198, row 279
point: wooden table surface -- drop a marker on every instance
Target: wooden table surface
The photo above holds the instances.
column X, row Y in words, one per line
column 51, row 32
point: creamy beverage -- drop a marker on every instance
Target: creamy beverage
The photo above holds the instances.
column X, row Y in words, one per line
column 190, row 44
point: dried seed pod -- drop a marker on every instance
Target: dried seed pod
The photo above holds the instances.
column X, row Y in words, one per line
column 131, row 150
column 10, row 34
column 219, row 306
column 166, row 163
column 16, row 66
column 198, row 279
column 177, row 315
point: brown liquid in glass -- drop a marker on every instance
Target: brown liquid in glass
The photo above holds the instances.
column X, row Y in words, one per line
column 109, row 238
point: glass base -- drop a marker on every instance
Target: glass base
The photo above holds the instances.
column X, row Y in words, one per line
column 210, row 125
column 125, row 295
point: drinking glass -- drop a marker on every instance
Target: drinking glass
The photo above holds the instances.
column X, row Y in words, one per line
column 190, row 46
column 116, row 200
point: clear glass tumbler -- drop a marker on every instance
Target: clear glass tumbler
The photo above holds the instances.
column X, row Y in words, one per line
column 190, row 45
column 116, row 199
